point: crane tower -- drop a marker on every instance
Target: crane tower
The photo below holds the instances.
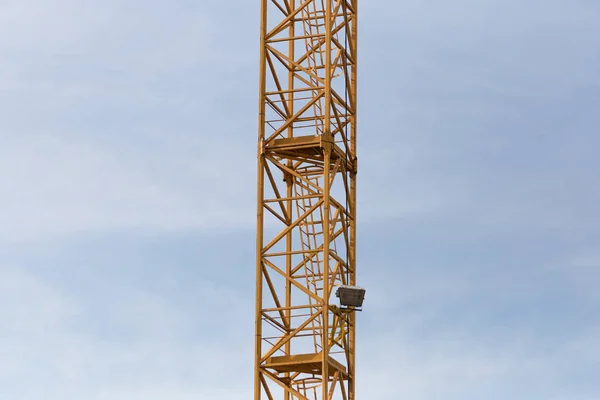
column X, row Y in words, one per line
column 306, row 206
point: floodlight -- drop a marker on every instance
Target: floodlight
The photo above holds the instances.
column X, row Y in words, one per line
column 350, row 296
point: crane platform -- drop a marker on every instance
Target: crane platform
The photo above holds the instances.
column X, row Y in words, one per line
column 305, row 363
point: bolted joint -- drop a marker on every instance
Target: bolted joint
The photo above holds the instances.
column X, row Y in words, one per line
column 288, row 178
column 352, row 165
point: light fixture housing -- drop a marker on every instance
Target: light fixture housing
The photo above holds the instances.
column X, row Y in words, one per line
column 350, row 296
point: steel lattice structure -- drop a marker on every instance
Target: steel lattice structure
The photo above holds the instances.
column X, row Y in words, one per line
column 306, row 220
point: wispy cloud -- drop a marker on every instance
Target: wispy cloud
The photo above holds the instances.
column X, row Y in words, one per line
column 113, row 121
column 140, row 344
column 61, row 185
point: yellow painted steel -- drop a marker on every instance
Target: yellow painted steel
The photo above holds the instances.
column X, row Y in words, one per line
column 306, row 203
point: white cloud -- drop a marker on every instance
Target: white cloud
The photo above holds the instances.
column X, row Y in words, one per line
column 398, row 362
column 45, row 354
column 111, row 123
column 60, row 186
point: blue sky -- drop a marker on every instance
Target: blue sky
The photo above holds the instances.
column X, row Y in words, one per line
column 127, row 172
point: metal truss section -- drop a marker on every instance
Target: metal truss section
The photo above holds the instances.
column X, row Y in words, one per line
column 306, row 206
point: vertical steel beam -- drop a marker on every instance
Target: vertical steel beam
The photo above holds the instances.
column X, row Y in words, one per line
column 259, row 202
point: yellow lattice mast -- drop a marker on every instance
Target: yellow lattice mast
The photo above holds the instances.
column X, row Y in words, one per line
column 306, row 221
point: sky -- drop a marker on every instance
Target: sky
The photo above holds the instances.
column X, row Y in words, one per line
column 127, row 171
